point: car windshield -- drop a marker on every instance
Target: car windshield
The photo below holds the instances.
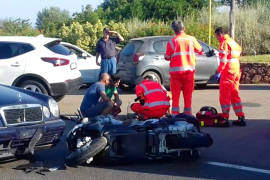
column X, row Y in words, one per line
column 131, row 48
column 58, row 48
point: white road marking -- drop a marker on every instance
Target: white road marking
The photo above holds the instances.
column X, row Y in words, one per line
column 239, row 167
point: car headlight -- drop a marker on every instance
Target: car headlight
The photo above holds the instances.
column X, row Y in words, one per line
column 54, row 107
column 46, row 112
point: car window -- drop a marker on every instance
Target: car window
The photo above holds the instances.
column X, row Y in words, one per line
column 131, row 48
column 160, row 46
column 75, row 51
column 9, row 49
column 58, row 48
column 206, row 49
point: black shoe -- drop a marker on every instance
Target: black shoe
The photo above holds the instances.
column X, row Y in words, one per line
column 240, row 122
column 224, row 122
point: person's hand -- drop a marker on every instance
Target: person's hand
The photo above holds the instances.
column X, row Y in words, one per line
column 113, row 32
column 98, row 63
column 217, row 76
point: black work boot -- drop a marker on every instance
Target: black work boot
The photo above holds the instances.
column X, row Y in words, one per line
column 224, row 122
column 240, row 122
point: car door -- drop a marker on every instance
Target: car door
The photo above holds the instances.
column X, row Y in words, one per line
column 159, row 47
column 86, row 64
column 205, row 66
column 13, row 58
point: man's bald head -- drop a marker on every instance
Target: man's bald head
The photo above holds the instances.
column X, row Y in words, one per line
column 105, row 78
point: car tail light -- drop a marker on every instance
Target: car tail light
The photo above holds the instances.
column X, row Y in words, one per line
column 56, row 61
column 137, row 57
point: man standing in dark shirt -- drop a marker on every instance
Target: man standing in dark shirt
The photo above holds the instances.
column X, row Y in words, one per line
column 106, row 47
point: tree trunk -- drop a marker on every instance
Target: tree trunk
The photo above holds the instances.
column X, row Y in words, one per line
column 232, row 20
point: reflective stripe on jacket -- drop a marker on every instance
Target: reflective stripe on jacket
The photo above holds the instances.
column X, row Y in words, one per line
column 229, row 54
column 153, row 93
column 181, row 53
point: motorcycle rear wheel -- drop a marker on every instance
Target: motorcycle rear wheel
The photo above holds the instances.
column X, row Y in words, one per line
column 81, row 155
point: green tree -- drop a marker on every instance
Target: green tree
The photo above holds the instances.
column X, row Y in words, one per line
column 86, row 15
column 245, row 2
column 148, row 9
column 50, row 20
column 18, row 27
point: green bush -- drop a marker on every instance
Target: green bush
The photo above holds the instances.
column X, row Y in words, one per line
column 251, row 27
column 86, row 35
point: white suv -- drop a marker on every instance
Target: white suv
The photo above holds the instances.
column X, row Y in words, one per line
column 39, row 64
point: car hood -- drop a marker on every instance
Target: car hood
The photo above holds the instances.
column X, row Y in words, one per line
column 16, row 96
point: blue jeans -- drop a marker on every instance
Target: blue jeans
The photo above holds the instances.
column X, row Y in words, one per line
column 95, row 110
column 108, row 66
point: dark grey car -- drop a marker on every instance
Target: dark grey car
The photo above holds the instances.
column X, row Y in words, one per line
column 145, row 56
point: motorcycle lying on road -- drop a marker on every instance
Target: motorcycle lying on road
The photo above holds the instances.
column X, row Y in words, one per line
column 105, row 139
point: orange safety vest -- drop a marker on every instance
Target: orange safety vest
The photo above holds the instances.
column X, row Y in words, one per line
column 181, row 53
column 154, row 95
column 229, row 54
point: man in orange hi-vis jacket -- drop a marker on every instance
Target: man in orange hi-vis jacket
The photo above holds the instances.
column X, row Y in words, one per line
column 229, row 72
column 181, row 54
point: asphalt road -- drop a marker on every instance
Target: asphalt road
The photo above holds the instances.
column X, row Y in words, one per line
column 237, row 152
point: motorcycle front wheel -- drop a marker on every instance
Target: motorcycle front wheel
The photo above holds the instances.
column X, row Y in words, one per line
column 82, row 154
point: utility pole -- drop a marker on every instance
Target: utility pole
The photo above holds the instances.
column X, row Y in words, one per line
column 232, row 19
column 210, row 21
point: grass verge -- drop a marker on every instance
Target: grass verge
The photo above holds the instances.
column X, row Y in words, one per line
column 256, row 59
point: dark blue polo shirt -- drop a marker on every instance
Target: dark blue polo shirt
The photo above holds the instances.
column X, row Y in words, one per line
column 107, row 48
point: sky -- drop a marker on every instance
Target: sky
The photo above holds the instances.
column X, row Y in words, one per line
column 28, row 9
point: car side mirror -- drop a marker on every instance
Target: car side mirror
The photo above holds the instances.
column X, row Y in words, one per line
column 210, row 53
column 84, row 55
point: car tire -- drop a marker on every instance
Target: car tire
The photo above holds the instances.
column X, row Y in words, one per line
column 34, row 86
column 81, row 155
column 153, row 74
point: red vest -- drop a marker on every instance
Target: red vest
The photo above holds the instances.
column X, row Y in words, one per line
column 181, row 52
column 229, row 54
column 154, row 95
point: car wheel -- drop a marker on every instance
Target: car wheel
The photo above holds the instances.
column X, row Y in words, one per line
column 154, row 75
column 34, row 86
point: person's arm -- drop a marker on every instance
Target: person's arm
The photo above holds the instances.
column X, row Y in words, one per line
column 117, row 98
column 101, row 91
column 197, row 47
column 169, row 51
column 98, row 49
column 104, row 97
column 223, row 52
column 118, row 35
column 97, row 56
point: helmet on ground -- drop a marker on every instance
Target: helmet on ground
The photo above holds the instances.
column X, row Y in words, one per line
column 208, row 109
